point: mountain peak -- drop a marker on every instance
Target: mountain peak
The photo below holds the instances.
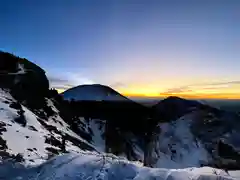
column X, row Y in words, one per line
column 175, row 98
column 180, row 101
column 173, row 107
column 93, row 92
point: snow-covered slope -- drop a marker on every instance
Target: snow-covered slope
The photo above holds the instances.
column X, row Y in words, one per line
column 93, row 92
column 98, row 129
column 26, row 137
column 194, row 140
column 176, row 147
column 193, row 134
column 235, row 174
column 104, row 167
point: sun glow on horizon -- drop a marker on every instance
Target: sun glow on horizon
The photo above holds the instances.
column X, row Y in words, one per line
column 193, row 94
column 213, row 90
column 204, row 89
column 189, row 96
column 60, row 90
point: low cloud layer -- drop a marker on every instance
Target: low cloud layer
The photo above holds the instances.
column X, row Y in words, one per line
column 68, row 81
column 58, row 83
column 207, row 86
column 118, row 85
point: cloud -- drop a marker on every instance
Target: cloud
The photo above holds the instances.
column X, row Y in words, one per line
column 203, row 86
column 118, row 85
column 56, row 81
column 78, row 79
column 177, row 90
column 69, row 80
column 219, row 83
column 64, row 87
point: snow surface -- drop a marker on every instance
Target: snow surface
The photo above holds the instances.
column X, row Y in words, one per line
column 235, row 174
column 93, row 92
column 61, row 125
column 19, row 138
column 98, row 129
column 92, row 166
column 176, row 147
column 30, row 140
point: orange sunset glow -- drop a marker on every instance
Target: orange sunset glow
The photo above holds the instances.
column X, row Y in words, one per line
column 189, row 96
column 205, row 91
column 201, row 90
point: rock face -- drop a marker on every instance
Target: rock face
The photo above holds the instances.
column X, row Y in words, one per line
column 31, row 127
column 26, row 80
column 37, row 123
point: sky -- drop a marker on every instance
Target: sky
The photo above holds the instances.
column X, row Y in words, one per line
column 140, row 48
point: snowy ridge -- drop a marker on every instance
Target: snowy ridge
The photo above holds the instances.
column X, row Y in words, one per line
column 24, row 133
column 94, row 92
column 105, row 167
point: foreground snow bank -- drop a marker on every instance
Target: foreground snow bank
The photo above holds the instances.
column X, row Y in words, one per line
column 87, row 166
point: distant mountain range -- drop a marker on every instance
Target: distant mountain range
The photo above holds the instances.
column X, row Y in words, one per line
column 37, row 123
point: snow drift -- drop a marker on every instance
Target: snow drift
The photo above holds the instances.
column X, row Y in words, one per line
column 90, row 166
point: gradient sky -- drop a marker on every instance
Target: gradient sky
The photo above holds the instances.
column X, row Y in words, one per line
column 146, row 48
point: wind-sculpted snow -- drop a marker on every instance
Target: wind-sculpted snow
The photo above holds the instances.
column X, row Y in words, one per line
column 92, row 166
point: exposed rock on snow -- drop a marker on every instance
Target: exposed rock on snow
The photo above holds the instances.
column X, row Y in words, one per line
column 36, row 139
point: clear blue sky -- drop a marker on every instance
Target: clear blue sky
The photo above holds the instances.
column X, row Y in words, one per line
column 135, row 46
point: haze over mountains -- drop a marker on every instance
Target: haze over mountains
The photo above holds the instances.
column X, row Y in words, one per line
column 89, row 121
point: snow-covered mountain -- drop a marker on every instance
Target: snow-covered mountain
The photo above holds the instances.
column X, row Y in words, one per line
column 37, row 123
column 93, row 92
column 195, row 135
